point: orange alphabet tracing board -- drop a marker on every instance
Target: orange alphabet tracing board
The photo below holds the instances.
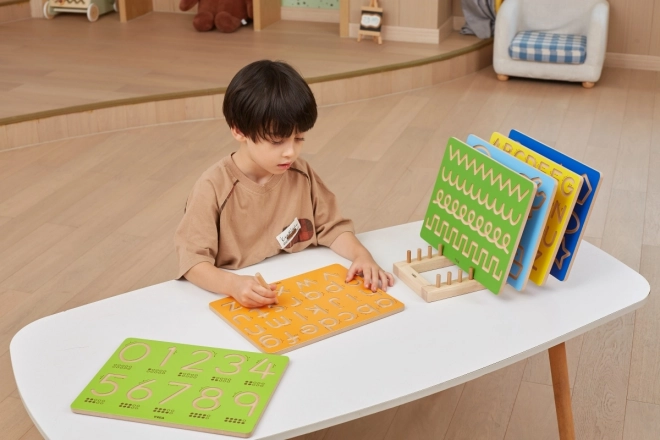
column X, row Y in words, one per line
column 311, row 306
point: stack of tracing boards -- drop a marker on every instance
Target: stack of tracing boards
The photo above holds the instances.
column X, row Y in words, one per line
column 505, row 212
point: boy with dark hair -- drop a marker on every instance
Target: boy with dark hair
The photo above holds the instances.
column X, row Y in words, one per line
column 263, row 199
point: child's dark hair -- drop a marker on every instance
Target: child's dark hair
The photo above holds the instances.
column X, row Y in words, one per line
column 269, row 100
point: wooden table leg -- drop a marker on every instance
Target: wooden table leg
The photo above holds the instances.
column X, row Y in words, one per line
column 561, row 387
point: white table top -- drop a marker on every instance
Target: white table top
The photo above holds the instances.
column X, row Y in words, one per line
column 425, row 349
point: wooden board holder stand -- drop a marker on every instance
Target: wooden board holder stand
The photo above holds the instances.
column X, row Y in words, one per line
column 375, row 11
column 409, row 271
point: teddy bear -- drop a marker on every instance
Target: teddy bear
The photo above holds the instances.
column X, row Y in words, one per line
column 226, row 15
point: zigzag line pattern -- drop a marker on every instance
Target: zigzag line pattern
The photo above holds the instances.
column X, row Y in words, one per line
column 483, row 202
column 464, row 159
column 459, row 242
column 477, row 223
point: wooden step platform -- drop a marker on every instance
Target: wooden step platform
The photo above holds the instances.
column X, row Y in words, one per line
column 14, row 10
column 68, row 77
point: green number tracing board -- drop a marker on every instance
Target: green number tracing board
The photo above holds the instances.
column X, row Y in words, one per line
column 183, row 386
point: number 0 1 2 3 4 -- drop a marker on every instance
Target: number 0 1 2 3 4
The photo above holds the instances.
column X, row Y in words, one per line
column 183, row 386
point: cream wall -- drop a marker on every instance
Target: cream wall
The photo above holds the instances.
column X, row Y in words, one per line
column 456, row 8
column 419, row 21
column 406, row 13
column 634, row 27
column 320, row 4
column 424, row 14
column 404, row 20
column 444, row 11
column 634, row 24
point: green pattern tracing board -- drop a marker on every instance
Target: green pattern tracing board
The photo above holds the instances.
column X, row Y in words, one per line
column 478, row 211
column 183, row 386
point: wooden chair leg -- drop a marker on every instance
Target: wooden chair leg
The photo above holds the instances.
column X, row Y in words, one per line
column 562, row 390
column 588, row 85
column 502, row 77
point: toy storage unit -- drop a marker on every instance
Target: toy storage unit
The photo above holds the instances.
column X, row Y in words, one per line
column 93, row 8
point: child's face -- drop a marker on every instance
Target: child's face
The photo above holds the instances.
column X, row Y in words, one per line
column 273, row 156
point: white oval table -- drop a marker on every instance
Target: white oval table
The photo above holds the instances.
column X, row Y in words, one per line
column 427, row 348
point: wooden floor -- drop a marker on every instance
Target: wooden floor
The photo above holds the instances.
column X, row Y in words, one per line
column 68, row 61
column 93, row 217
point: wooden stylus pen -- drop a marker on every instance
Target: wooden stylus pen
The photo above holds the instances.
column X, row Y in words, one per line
column 263, row 283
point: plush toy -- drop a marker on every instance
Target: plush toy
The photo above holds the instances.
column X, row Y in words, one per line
column 226, row 15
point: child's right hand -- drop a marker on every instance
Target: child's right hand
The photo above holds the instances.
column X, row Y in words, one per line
column 249, row 293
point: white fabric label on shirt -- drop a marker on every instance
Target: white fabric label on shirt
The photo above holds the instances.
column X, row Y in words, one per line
column 289, row 233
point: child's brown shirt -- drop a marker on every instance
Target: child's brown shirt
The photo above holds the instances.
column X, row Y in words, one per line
column 232, row 222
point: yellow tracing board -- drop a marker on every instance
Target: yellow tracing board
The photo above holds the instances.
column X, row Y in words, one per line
column 311, row 306
column 568, row 190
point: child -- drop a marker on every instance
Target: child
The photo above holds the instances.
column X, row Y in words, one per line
column 263, row 199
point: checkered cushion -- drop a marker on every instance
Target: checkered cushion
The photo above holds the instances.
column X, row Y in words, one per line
column 549, row 48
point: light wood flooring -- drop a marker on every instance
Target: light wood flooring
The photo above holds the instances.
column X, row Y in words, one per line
column 92, row 217
column 68, row 61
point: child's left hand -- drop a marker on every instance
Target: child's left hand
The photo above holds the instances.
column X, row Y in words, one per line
column 371, row 272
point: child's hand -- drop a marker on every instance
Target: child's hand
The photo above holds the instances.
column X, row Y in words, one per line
column 249, row 293
column 371, row 272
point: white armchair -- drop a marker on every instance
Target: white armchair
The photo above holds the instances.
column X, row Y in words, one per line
column 584, row 17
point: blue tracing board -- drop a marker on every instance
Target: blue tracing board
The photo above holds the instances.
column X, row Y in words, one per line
column 583, row 207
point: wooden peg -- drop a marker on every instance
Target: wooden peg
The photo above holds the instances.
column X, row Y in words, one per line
column 440, row 249
column 430, row 252
column 419, row 254
column 438, row 280
column 408, row 256
column 449, row 278
column 471, row 274
column 460, row 275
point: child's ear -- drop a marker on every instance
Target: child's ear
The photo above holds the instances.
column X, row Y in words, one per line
column 240, row 137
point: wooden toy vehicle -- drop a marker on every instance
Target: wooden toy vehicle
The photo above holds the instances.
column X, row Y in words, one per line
column 93, row 8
